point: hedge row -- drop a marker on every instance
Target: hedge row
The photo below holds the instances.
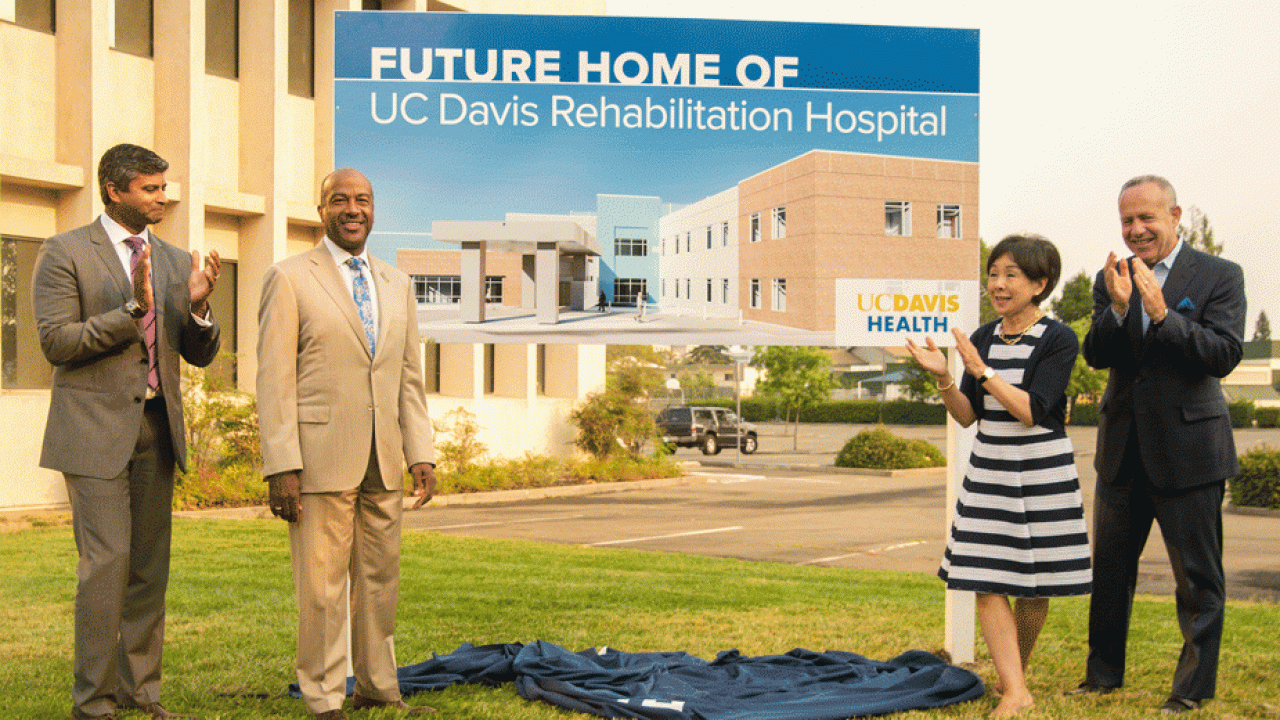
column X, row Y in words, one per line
column 856, row 412
column 1242, row 412
column 1258, row 484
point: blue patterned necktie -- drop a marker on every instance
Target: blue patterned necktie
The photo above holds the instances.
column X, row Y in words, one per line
column 360, row 290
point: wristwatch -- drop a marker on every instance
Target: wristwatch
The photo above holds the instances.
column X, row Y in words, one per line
column 135, row 310
column 986, row 375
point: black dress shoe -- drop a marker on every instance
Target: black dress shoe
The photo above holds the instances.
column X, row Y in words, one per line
column 1176, row 705
column 1088, row 689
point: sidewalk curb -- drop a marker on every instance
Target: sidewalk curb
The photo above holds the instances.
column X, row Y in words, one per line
column 262, row 512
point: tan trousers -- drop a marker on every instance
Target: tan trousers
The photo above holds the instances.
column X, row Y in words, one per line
column 355, row 533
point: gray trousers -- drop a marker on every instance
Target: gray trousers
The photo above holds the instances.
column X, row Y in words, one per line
column 122, row 528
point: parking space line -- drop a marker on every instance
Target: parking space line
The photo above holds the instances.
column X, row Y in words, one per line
column 504, row 522
column 860, row 553
column 664, row 537
column 729, row 479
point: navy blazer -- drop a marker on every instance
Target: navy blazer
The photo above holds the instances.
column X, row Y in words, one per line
column 1164, row 383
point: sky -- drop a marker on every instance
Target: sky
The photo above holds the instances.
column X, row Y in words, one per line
column 1076, row 98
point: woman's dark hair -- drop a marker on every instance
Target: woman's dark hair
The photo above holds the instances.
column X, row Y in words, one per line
column 1035, row 256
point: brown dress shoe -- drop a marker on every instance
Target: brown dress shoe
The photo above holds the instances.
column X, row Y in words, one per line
column 364, row 703
column 157, row 711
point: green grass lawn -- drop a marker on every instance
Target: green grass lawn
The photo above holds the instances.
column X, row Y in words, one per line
column 231, row 622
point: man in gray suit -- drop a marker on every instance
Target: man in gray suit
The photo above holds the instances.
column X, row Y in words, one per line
column 115, row 307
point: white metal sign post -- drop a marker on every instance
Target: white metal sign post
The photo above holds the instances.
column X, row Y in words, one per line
column 885, row 313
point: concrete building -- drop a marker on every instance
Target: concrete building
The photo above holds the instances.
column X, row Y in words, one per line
column 238, row 97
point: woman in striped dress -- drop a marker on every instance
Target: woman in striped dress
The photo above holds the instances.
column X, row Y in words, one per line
column 1019, row 526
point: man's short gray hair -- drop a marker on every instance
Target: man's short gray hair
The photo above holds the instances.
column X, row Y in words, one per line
column 1170, row 195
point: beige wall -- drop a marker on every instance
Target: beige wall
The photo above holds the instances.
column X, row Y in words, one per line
column 506, row 265
column 246, row 158
column 835, row 229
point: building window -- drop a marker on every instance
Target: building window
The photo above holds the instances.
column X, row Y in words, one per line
column 541, row 378
column 728, row 377
column 133, row 27
column 677, row 243
column 708, row 237
column 222, row 38
column 22, row 360
column 724, row 234
column 897, row 217
column 664, row 287
column 490, row 360
column 302, row 43
column 780, row 294
column 437, row 289
column 634, row 247
column 630, row 291
column 948, row 221
column 688, row 289
column 755, row 293
column 708, row 289
column 492, row 289
column 688, row 242
column 755, row 227
column 676, row 282
column 31, row 14
column 780, row 222
column 431, row 365
column 664, row 246
column 724, row 291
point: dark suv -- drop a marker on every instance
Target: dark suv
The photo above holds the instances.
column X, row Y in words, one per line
column 709, row 428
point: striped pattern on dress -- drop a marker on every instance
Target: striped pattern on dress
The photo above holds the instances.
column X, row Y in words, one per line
column 1019, row 528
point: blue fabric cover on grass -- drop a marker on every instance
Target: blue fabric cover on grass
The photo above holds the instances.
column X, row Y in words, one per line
column 800, row 685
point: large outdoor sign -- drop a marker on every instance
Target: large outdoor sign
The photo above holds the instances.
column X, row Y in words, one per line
column 689, row 157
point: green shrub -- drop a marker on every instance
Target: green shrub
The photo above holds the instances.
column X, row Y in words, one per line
column 880, row 449
column 1084, row 414
column 1267, row 417
column 911, row 412
column 1258, row 484
column 535, row 471
column 1242, row 414
column 853, row 412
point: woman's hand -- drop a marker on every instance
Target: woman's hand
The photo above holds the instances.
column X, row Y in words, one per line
column 969, row 355
column 930, row 357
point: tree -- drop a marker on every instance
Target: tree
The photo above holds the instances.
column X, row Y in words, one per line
column 1076, row 301
column 919, row 383
column 696, row 382
column 634, row 370
column 610, row 423
column 985, row 312
column 795, row 378
column 1262, row 330
column 1085, row 382
column 709, row 355
column 1198, row 232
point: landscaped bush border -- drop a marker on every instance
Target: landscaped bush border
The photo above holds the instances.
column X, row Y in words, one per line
column 879, row 449
column 1258, row 484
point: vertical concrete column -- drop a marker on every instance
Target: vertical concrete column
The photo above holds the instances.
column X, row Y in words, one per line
column 85, row 103
column 473, row 257
column 179, row 79
column 264, row 169
column 528, row 282
column 958, row 605
column 547, row 273
column 462, row 371
column 513, row 371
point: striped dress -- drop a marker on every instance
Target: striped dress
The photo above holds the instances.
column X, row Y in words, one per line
column 1019, row 525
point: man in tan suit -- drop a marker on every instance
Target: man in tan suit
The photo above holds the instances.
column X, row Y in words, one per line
column 341, row 405
column 116, row 307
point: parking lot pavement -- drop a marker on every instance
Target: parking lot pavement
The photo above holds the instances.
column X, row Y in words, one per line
column 786, row 503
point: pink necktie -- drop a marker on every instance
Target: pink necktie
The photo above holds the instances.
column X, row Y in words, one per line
column 148, row 322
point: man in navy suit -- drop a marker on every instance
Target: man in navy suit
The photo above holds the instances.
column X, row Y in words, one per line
column 1168, row 323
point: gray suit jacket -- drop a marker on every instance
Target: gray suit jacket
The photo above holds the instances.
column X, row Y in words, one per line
column 79, row 289
column 323, row 399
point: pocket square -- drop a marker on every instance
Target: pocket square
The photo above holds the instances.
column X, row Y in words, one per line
column 1186, row 305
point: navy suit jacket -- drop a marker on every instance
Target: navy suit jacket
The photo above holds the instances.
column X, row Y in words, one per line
column 1164, row 383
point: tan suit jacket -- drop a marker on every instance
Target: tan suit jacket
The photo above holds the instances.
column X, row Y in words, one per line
column 100, row 368
column 323, row 400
